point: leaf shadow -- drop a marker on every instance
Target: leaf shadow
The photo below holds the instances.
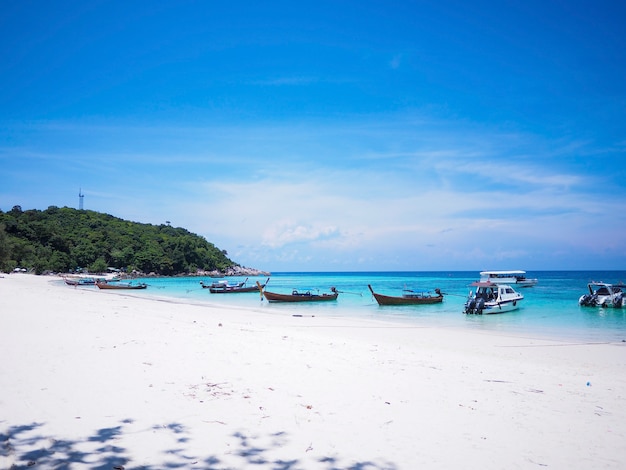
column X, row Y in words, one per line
column 26, row 446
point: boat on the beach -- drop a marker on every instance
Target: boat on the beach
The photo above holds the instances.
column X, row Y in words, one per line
column 120, row 285
column 492, row 298
column 602, row 294
column 79, row 281
column 223, row 287
column 517, row 278
column 409, row 298
column 297, row 296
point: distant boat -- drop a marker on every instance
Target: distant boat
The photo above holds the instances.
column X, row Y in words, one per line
column 492, row 298
column 223, row 287
column 82, row 281
column 516, row 278
column 120, row 285
column 413, row 298
column 602, row 294
column 297, row 296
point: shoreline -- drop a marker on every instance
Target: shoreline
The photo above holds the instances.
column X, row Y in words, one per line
column 527, row 322
column 140, row 382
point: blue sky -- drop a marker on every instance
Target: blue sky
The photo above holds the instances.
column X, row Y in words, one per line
column 329, row 136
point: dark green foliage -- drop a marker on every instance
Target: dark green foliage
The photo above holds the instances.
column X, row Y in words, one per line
column 64, row 239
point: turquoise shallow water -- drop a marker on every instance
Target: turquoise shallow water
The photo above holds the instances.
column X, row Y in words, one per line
column 550, row 309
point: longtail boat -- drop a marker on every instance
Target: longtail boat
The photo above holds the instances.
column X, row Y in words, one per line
column 413, row 298
column 297, row 296
column 223, row 287
column 120, row 285
column 79, row 281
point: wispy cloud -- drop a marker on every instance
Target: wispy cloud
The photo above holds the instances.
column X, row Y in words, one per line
column 259, row 192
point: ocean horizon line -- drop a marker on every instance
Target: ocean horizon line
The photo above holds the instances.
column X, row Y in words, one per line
column 448, row 271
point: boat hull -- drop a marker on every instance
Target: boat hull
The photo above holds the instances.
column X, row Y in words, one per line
column 511, row 278
column 79, row 281
column 500, row 307
column 232, row 290
column 72, row 282
column 222, row 287
column 406, row 299
column 297, row 296
column 604, row 295
column 106, row 285
column 305, row 297
column 491, row 298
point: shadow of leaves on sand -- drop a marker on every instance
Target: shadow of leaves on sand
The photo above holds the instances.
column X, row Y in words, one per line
column 28, row 447
column 25, row 447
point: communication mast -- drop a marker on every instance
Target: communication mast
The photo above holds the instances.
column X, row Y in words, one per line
column 81, row 196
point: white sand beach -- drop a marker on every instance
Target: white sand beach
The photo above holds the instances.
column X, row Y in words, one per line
column 94, row 379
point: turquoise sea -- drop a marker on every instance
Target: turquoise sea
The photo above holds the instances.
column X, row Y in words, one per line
column 550, row 309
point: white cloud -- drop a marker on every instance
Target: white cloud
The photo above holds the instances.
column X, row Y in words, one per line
column 353, row 195
column 285, row 232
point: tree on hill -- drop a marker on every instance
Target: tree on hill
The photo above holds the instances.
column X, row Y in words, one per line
column 64, row 239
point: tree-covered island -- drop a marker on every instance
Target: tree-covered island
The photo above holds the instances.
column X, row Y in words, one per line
column 64, row 239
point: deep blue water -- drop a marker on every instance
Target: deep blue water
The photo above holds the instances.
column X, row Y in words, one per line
column 549, row 309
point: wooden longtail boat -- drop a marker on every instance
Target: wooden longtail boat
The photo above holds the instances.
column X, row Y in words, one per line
column 222, row 287
column 296, row 296
column 408, row 299
column 120, row 285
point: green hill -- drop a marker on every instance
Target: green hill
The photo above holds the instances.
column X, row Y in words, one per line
column 64, row 239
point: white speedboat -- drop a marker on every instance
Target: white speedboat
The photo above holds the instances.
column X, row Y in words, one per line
column 492, row 298
column 516, row 278
column 602, row 294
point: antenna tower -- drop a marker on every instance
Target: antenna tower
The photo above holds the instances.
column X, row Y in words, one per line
column 81, row 196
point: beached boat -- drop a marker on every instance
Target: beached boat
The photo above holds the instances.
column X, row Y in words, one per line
column 516, row 278
column 120, row 285
column 602, row 294
column 411, row 298
column 492, row 298
column 297, row 296
column 83, row 281
column 223, row 287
